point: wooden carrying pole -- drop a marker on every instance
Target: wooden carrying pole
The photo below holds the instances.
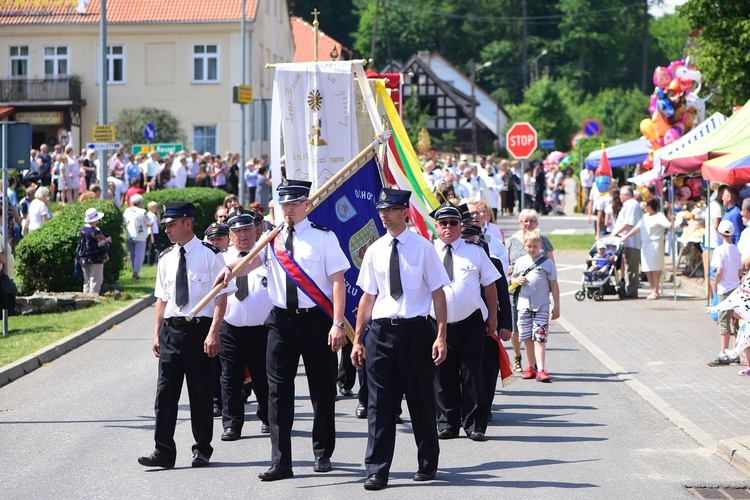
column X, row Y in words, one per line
column 316, row 199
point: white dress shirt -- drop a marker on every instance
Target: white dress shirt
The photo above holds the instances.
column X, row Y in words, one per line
column 254, row 309
column 472, row 270
column 203, row 265
column 422, row 273
column 317, row 252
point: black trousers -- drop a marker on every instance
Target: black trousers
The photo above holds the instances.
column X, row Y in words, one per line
column 290, row 336
column 347, row 373
column 240, row 346
column 181, row 356
column 399, row 361
column 459, row 385
column 490, row 371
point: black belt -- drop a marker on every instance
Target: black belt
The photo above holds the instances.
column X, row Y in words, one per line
column 399, row 321
column 182, row 320
column 299, row 310
column 466, row 319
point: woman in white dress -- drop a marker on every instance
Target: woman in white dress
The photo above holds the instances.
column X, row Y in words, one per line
column 652, row 227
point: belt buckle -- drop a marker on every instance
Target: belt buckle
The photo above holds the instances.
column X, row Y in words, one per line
column 300, row 310
column 394, row 321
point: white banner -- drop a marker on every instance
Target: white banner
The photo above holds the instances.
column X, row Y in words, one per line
column 314, row 108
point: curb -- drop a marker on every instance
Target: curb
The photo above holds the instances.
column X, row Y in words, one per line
column 736, row 451
column 26, row 365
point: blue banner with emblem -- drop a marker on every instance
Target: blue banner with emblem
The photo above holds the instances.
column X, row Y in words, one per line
column 350, row 213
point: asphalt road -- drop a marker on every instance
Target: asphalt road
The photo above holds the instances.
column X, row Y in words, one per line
column 74, row 428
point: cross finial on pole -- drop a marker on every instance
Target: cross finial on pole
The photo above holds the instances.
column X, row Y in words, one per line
column 315, row 13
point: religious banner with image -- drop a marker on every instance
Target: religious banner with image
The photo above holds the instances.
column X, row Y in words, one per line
column 314, row 113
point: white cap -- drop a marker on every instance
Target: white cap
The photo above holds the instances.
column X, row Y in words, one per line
column 601, row 245
column 726, row 228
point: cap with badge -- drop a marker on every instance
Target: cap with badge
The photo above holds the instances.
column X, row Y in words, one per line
column 393, row 198
column 446, row 211
column 216, row 229
column 726, row 228
column 241, row 218
column 292, row 190
column 176, row 210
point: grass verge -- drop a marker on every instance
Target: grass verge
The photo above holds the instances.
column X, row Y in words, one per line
column 28, row 334
column 571, row 241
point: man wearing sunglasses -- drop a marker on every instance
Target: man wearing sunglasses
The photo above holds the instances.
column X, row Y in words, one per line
column 459, row 385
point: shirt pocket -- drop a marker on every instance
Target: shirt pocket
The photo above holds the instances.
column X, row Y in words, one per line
column 466, row 273
column 308, row 258
column 411, row 276
column 199, row 282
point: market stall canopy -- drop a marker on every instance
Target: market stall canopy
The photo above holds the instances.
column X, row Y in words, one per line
column 627, row 153
column 699, row 132
column 733, row 168
column 732, row 136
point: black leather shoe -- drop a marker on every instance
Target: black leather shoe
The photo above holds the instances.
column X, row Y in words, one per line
column 275, row 473
column 399, row 420
column 264, row 429
column 447, row 434
column 361, row 411
column 155, row 460
column 199, row 460
column 347, row 393
column 477, row 436
column 230, row 434
column 424, row 476
column 375, row 482
column 322, row 465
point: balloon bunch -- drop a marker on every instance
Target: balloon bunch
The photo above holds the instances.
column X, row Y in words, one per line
column 675, row 107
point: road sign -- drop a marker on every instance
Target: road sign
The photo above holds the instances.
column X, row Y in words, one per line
column 242, row 94
column 547, row 144
column 521, row 140
column 162, row 148
column 103, row 146
column 103, row 133
column 576, row 139
column 149, row 132
column 18, row 146
column 591, row 128
column 63, row 137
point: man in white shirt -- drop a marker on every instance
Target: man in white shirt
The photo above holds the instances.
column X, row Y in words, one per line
column 629, row 216
column 180, row 173
column 459, row 386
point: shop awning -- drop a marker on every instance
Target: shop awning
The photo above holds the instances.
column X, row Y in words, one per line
column 5, row 111
column 627, row 153
column 733, row 168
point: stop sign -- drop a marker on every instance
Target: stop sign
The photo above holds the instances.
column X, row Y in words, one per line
column 521, row 140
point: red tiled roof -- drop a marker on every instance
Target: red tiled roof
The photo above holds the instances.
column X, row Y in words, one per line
column 304, row 49
column 124, row 11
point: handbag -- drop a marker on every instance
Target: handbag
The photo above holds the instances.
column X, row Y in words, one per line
column 8, row 292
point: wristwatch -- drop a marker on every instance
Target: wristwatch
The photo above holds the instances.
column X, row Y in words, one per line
column 340, row 324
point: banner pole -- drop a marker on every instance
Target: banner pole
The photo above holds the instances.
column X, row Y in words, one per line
column 316, row 198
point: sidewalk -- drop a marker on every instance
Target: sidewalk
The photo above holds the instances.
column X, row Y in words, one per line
column 660, row 349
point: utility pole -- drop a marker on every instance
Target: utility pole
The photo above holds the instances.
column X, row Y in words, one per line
column 644, row 57
column 374, row 32
column 243, row 133
column 525, row 60
column 103, row 94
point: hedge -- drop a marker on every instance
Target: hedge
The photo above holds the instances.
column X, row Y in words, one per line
column 44, row 258
column 205, row 200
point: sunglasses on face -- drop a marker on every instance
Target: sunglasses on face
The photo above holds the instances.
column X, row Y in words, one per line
column 445, row 223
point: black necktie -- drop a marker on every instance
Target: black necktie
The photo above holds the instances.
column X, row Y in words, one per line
column 448, row 261
column 181, row 293
column 395, row 273
column 241, row 292
column 292, row 302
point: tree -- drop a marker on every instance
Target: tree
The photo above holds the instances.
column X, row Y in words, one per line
column 722, row 47
column 130, row 122
column 667, row 39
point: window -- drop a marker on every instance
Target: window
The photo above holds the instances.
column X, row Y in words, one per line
column 204, row 138
column 19, row 61
column 115, row 64
column 55, row 60
column 205, row 63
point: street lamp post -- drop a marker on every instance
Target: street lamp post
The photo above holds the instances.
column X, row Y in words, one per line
column 534, row 66
column 474, row 70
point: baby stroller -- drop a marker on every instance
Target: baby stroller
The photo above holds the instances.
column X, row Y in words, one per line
column 597, row 284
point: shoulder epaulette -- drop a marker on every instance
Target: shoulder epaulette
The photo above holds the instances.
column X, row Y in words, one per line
column 166, row 251
column 213, row 248
column 318, row 226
